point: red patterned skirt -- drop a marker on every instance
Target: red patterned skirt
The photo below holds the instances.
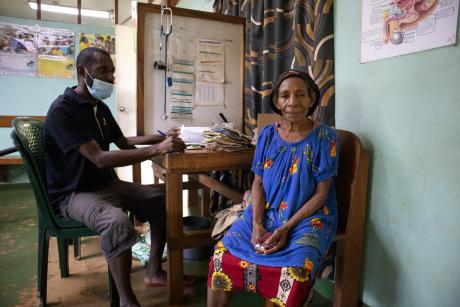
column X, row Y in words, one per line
column 284, row 286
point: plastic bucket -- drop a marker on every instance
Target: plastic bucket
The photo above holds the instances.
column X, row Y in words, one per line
column 197, row 223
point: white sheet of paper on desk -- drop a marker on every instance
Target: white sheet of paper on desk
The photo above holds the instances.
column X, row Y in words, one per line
column 193, row 135
column 209, row 94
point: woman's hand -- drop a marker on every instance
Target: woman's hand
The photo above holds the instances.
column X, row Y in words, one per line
column 276, row 241
column 258, row 231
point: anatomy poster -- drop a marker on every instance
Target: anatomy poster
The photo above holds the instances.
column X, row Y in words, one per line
column 395, row 27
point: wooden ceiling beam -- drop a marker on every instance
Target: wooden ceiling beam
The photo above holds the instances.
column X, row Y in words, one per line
column 39, row 10
column 116, row 11
column 79, row 12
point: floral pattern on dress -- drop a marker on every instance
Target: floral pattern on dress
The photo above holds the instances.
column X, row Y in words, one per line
column 243, row 264
column 316, row 223
column 293, row 168
column 277, row 301
column 268, row 163
column 298, row 273
column 220, row 281
column 333, row 149
column 309, row 239
column 308, row 153
column 308, row 265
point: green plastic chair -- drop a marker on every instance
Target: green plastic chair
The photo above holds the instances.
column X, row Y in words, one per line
column 28, row 138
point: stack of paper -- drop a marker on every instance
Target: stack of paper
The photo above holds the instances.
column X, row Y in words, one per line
column 225, row 139
column 193, row 135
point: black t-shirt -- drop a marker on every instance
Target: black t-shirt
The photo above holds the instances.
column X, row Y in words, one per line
column 71, row 122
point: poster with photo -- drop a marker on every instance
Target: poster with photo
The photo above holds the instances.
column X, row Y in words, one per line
column 18, row 50
column 56, row 53
column 102, row 41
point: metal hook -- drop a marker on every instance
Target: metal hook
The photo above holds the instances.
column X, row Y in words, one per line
column 163, row 9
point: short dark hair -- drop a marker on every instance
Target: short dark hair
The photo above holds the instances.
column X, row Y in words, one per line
column 87, row 56
column 310, row 84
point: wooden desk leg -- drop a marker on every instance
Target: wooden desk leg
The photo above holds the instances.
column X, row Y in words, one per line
column 174, row 229
column 205, row 200
column 192, row 198
column 192, row 193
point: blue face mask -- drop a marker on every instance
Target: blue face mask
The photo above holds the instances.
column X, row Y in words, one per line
column 100, row 90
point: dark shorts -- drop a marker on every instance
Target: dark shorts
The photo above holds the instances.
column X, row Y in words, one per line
column 103, row 212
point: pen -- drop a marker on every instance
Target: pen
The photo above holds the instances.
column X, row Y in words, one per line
column 223, row 117
column 162, row 133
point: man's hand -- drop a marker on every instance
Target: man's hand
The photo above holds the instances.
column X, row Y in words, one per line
column 171, row 144
column 174, row 132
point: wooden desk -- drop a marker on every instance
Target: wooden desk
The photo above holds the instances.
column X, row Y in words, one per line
column 172, row 167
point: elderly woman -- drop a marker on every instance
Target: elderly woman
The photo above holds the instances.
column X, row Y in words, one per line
column 275, row 247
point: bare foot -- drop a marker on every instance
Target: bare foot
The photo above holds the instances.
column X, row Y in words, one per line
column 155, row 277
column 161, row 280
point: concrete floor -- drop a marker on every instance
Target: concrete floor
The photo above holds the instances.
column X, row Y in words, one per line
column 87, row 284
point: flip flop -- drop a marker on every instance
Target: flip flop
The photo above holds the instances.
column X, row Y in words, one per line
column 189, row 281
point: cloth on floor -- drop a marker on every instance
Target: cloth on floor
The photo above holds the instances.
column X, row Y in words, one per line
column 141, row 250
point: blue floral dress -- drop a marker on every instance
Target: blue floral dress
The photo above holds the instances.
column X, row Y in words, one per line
column 290, row 173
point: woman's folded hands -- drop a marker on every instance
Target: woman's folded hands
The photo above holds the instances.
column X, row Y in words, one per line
column 268, row 243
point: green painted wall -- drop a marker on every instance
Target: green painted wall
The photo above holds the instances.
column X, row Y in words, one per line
column 199, row 5
column 33, row 95
column 406, row 110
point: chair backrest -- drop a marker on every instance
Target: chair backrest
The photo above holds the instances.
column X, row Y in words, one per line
column 351, row 182
column 29, row 139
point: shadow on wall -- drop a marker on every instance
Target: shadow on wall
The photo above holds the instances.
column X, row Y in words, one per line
column 383, row 287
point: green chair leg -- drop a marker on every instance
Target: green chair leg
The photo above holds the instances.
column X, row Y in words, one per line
column 43, row 273
column 40, row 255
column 77, row 248
column 63, row 251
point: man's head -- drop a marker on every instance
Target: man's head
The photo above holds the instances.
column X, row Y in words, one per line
column 97, row 63
column 95, row 73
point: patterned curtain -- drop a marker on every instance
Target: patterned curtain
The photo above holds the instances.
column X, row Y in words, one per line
column 284, row 34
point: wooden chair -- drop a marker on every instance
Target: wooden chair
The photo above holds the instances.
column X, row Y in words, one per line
column 351, row 188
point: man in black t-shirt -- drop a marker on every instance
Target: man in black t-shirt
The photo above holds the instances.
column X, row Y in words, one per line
column 81, row 182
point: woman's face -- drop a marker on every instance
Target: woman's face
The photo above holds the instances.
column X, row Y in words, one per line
column 294, row 100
